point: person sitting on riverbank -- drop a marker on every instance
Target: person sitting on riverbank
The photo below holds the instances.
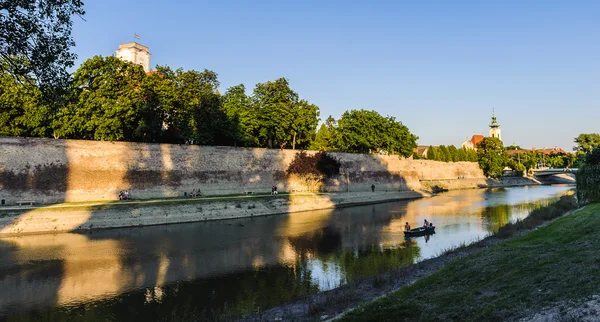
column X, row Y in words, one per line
column 407, row 226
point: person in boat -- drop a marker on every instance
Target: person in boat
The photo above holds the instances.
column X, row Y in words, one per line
column 425, row 224
column 407, row 226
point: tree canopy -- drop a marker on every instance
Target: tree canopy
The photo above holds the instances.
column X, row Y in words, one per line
column 587, row 142
column 492, row 157
column 367, row 131
column 35, row 38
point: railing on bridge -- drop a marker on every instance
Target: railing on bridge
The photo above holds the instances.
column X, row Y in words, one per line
column 551, row 171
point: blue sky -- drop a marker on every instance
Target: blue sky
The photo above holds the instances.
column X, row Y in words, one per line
column 439, row 67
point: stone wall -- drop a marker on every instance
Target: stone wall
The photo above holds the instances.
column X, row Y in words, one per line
column 50, row 171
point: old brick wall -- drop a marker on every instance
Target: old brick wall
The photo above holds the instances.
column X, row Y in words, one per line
column 48, row 170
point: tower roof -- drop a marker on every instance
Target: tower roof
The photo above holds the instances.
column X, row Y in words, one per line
column 494, row 123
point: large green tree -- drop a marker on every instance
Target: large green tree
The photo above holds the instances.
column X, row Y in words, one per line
column 109, row 102
column 587, row 142
column 22, row 111
column 35, row 38
column 492, row 157
column 194, row 111
column 284, row 119
column 241, row 116
column 322, row 138
column 363, row 131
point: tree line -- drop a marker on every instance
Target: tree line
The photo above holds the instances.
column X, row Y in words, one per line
column 493, row 157
column 115, row 100
column 450, row 154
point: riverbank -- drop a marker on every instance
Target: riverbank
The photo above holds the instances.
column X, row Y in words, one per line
column 545, row 275
column 103, row 215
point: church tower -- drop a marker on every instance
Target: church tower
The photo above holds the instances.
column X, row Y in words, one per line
column 495, row 128
column 135, row 53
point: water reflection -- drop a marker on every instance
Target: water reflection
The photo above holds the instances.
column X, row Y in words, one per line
column 237, row 267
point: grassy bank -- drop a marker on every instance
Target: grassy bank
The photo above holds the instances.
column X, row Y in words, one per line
column 551, row 265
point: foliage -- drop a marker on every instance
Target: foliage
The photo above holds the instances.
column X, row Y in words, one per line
column 367, row 131
column 35, row 38
column 110, row 102
column 242, row 120
column 516, row 166
column 588, row 178
column 491, row 156
column 322, row 139
column 22, row 111
column 593, row 158
column 314, row 169
column 451, row 154
column 586, row 142
column 432, row 153
column 283, row 118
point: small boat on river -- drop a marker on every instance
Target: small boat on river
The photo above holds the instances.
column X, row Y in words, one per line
column 420, row 231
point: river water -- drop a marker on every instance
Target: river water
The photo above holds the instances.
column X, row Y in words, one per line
column 230, row 268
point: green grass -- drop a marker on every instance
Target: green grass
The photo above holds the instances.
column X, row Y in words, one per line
column 146, row 203
column 518, row 277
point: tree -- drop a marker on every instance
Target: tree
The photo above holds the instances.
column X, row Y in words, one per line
column 35, row 38
column 195, row 112
column 283, row 119
column 314, row 169
column 443, row 154
column 110, row 102
column 22, row 111
column 363, row 131
column 492, row 157
column 322, row 138
column 304, row 124
column 461, row 155
column 432, row 153
column 453, row 154
column 588, row 178
column 241, row 117
column 586, row 142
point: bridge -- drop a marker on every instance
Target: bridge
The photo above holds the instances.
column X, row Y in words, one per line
column 552, row 171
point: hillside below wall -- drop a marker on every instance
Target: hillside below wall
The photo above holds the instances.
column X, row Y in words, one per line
column 49, row 171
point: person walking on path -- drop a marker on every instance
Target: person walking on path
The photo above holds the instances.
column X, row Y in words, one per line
column 373, row 188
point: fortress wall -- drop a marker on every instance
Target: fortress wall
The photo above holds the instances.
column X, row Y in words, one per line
column 48, row 170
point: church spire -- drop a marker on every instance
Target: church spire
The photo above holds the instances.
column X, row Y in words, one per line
column 494, row 124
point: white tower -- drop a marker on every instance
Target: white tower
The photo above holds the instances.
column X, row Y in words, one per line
column 135, row 53
column 495, row 128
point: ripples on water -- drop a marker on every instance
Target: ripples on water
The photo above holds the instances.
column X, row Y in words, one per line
column 229, row 268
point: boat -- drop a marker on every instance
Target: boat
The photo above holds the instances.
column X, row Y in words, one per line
column 420, row 231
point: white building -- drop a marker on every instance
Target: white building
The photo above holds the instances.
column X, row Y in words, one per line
column 135, row 53
column 495, row 128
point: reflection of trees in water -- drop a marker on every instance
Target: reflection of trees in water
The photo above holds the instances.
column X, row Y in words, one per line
column 497, row 216
column 222, row 296
column 318, row 243
column 366, row 262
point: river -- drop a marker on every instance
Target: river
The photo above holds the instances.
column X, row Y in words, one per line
column 223, row 269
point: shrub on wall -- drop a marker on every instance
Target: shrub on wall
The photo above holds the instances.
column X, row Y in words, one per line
column 588, row 179
column 314, row 169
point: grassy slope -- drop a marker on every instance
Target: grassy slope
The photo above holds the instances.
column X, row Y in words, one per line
column 555, row 263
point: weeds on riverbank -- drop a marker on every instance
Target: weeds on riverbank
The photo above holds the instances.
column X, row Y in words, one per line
column 539, row 216
column 508, row 281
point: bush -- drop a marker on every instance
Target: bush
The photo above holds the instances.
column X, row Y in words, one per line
column 588, row 183
column 588, row 178
column 314, row 169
